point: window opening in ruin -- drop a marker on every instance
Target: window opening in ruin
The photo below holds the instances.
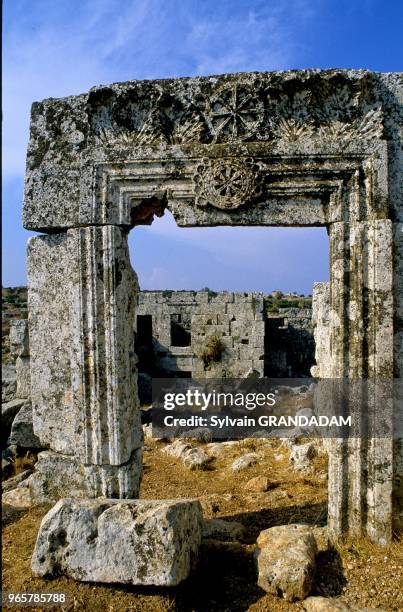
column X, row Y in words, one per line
column 181, row 330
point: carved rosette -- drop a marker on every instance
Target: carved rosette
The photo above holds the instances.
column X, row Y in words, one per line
column 235, row 113
column 225, row 183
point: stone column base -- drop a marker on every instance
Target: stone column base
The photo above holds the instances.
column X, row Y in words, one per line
column 57, row 476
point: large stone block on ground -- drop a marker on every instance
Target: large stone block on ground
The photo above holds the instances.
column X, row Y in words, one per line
column 286, row 560
column 139, row 542
column 58, row 476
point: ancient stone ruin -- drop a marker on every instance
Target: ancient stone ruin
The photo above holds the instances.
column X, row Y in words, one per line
column 299, row 148
column 252, row 335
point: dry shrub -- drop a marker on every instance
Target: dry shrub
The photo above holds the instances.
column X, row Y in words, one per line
column 213, row 350
column 27, row 462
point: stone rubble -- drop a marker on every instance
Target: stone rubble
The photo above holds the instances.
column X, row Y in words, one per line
column 301, row 456
column 22, row 432
column 138, row 542
column 285, row 559
column 244, row 462
column 192, row 457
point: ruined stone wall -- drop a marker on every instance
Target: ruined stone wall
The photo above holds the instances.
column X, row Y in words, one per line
column 289, row 342
column 254, row 340
column 235, row 320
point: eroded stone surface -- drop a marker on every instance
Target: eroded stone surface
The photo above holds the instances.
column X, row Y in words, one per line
column 23, row 374
column 286, row 561
column 49, row 317
column 58, row 476
column 244, row 462
column 22, row 432
column 19, row 339
column 139, row 542
column 8, row 383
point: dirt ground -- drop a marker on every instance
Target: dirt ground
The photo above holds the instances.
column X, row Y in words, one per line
column 356, row 573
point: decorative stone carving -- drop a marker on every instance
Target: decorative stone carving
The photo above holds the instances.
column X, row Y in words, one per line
column 235, row 113
column 225, row 184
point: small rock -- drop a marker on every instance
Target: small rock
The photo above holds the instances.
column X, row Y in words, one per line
column 18, row 498
column 301, row 456
column 324, row 604
column 195, row 459
column 12, row 483
column 306, row 412
column 216, row 449
column 227, row 531
column 244, row 462
column 176, row 448
column 22, row 431
column 148, row 431
column 258, row 484
column 286, row 561
column 9, row 410
column 140, row 542
column 201, row 434
column 321, row 536
column 214, row 502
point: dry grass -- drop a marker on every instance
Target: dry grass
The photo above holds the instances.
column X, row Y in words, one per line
column 225, row 578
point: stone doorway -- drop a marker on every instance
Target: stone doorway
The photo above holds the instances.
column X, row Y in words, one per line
column 292, row 149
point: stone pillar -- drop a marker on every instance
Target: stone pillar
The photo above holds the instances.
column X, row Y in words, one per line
column 361, row 299
column 82, row 292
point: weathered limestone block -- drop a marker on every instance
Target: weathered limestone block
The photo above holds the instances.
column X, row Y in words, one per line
column 286, row 560
column 244, row 462
column 23, row 374
column 138, row 542
column 193, row 458
column 8, row 412
column 22, row 432
column 301, row 456
column 103, row 363
column 19, row 339
column 50, row 317
column 321, row 322
column 58, row 476
column 18, row 481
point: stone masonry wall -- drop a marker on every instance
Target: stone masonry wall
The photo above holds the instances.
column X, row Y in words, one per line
column 235, row 320
column 254, row 341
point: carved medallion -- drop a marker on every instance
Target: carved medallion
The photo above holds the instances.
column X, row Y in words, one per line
column 235, row 113
column 226, row 184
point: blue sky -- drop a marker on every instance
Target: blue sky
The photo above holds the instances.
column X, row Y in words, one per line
column 56, row 48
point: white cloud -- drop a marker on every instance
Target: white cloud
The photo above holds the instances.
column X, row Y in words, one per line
column 53, row 49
